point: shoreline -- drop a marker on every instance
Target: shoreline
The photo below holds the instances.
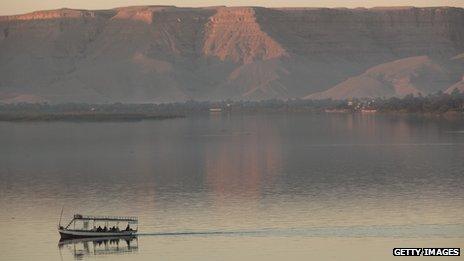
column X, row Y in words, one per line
column 83, row 117
column 137, row 117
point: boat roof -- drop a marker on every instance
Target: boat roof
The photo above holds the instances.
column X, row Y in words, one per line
column 105, row 218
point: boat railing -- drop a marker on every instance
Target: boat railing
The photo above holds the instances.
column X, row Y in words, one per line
column 105, row 218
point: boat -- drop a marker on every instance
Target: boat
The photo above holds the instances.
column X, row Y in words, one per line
column 84, row 226
column 215, row 110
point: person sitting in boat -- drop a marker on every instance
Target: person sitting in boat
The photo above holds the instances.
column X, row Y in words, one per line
column 128, row 227
column 99, row 229
column 105, row 229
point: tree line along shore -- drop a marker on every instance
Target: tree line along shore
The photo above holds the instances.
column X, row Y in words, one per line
column 438, row 103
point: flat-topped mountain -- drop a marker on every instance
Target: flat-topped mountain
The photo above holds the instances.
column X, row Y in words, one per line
column 167, row 53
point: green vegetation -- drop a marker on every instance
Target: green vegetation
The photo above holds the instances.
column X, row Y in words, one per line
column 436, row 103
column 81, row 112
column 96, row 117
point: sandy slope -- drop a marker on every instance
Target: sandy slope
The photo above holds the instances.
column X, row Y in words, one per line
column 413, row 75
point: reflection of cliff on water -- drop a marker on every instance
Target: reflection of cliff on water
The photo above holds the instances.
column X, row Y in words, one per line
column 83, row 247
column 242, row 161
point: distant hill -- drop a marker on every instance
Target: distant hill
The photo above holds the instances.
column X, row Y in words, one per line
column 413, row 75
column 459, row 86
column 166, row 53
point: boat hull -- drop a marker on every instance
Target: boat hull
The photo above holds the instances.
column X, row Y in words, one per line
column 67, row 241
column 66, row 233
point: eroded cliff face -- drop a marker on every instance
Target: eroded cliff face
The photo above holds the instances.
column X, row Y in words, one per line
column 165, row 53
column 366, row 34
column 234, row 34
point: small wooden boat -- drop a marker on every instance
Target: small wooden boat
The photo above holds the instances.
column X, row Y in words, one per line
column 82, row 226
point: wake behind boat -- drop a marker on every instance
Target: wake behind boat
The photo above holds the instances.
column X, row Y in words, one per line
column 98, row 226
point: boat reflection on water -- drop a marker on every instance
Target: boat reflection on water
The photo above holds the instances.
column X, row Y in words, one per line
column 87, row 247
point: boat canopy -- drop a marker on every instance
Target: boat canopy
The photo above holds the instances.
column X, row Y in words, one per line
column 106, row 218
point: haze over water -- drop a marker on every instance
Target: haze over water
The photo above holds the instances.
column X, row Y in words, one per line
column 238, row 187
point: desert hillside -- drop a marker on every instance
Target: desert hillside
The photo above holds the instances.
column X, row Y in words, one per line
column 166, row 53
column 418, row 75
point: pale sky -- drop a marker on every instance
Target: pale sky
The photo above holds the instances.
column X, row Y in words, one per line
column 8, row 7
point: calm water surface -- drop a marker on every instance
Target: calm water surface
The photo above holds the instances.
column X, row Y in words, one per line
column 236, row 187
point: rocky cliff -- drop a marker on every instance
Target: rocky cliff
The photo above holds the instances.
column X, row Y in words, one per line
column 166, row 53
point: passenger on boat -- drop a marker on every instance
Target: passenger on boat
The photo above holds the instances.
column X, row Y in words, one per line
column 105, row 229
column 99, row 229
column 128, row 227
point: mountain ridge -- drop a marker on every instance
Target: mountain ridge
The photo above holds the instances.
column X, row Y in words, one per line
column 168, row 53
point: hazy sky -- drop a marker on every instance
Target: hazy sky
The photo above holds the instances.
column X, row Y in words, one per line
column 23, row 6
